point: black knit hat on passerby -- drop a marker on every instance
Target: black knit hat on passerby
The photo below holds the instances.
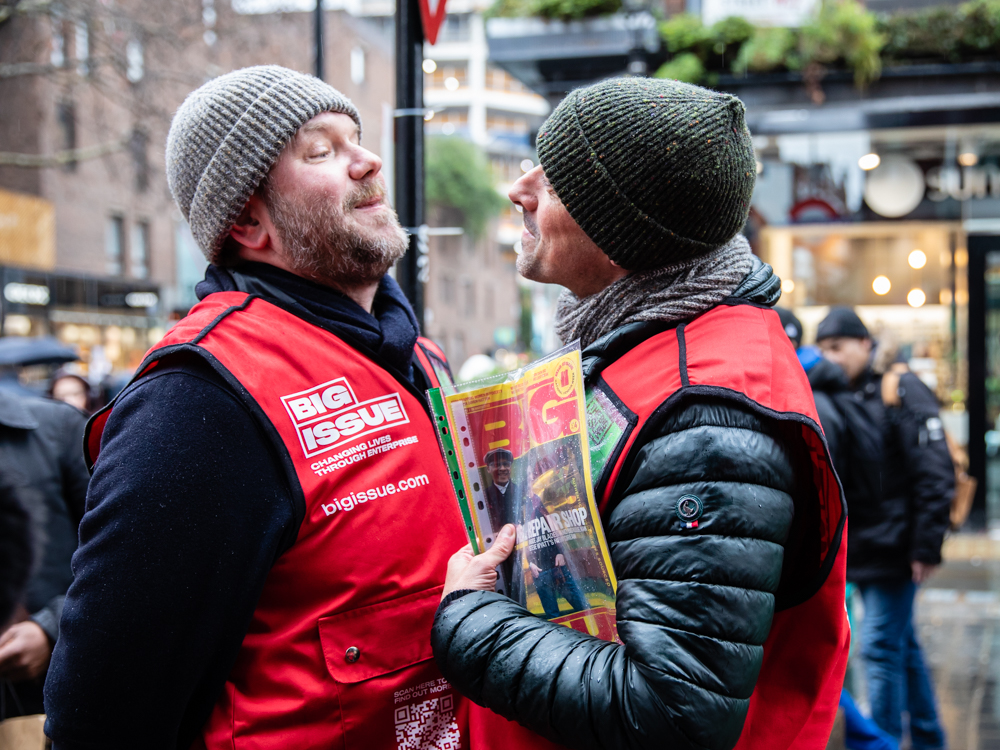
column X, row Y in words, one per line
column 791, row 324
column 842, row 321
column 656, row 172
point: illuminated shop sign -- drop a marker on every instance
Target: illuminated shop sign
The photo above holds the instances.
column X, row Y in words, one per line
column 26, row 294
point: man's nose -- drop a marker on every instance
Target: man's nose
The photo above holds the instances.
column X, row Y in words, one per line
column 522, row 193
column 365, row 165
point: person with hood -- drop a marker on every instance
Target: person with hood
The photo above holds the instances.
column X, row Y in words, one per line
column 722, row 511
column 899, row 479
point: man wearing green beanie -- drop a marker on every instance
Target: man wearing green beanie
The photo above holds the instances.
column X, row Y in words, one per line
column 719, row 500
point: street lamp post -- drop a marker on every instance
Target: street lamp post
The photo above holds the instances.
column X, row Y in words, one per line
column 318, row 39
column 409, row 150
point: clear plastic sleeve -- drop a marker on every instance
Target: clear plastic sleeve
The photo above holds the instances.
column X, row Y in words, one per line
column 517, row 448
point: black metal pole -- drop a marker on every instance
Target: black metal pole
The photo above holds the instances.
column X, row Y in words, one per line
column 409, row 149
column 318, row 39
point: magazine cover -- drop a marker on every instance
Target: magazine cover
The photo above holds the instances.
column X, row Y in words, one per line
column 517, row 449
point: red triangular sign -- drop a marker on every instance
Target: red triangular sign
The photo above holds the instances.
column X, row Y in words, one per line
column 432, row 14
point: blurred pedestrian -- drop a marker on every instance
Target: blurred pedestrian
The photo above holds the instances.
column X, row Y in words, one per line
column 899, row 479
column 15, row 546
column 72, row 389
column 42, row 442
column 822, row 370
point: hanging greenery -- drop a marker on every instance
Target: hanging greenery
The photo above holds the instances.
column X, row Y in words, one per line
column 842, row 35
column 458, row 176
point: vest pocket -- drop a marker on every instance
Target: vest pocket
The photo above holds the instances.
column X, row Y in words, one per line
column 391, row 694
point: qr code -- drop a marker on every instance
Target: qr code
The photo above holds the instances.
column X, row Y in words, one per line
column 429, row 725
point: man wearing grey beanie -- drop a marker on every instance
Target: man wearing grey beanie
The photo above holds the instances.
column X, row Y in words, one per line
column 269, row 517
column 715, row 486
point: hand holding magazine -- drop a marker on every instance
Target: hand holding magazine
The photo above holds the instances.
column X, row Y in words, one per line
column 516, row 447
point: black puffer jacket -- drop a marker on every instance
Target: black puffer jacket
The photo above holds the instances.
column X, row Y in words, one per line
column 693, row 609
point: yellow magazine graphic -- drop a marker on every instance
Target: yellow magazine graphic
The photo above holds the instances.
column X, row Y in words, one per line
column 517, row 449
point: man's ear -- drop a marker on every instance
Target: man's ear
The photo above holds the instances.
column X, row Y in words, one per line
column 249, row 231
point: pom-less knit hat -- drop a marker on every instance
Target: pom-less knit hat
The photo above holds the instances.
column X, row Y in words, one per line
column 842, row 321
column 227, row 135
column 656, row 172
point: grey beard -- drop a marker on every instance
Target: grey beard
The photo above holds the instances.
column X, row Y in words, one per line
column 323, row 245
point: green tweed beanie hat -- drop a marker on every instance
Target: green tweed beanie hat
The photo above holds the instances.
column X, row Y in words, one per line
column 226, row 136
column 656, row 172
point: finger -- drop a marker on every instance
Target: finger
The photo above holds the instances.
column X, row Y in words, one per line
column 501, row 548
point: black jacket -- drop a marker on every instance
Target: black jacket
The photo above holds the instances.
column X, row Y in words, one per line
column 41, row 443
column 896, row 470
column 41, row 446
column 15, row 545
column 693, row 610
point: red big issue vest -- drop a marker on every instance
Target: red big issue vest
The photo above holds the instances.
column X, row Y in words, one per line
column 740, row 352
column 338, row 652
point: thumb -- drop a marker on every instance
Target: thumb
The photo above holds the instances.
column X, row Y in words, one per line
column 501, row 548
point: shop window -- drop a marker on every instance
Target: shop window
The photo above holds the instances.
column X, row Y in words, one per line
column 114, row 245
column 139, row 250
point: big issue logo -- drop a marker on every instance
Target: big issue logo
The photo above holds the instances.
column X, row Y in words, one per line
column 329, row 415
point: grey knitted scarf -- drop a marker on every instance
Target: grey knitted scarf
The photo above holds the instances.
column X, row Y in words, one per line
column 676, row 292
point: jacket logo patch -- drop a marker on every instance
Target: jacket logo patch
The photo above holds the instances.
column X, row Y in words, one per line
column 329, row 415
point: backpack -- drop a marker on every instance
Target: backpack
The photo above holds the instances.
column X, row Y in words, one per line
column 965, row 485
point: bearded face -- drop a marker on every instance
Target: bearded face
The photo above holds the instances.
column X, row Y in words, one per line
column 326, row 242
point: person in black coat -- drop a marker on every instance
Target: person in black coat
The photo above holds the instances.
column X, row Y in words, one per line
column 41, row 444
column 899, row 479
column 15, row 547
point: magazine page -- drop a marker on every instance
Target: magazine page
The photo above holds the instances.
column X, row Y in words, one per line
column 517, row 448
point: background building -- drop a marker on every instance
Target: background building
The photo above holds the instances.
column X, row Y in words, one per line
column 92, row 247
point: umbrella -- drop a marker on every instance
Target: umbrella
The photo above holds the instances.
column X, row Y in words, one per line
column 20, row 350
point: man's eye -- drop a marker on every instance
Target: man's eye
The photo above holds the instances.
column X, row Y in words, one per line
column 320, row 154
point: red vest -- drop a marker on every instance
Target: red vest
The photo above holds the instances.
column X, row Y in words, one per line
column 338, row 652
column 741, row 352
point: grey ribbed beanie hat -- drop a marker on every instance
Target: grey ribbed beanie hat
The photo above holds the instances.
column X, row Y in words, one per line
column 656, row 172
column 226, row 136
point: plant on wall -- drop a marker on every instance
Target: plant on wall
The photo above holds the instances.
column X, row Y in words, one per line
column 459, row 177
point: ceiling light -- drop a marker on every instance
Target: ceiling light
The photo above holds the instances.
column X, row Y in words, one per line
column 968, row 159
column 869, row 161
column 881, row 285
column 760, row 167
column 429, row 66
column 917, row 259
column 527, row 165
column 451, row 83
column 787, row 286
column 916, row 297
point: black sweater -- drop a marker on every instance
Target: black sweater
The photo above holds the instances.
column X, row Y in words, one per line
column 187, row 511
